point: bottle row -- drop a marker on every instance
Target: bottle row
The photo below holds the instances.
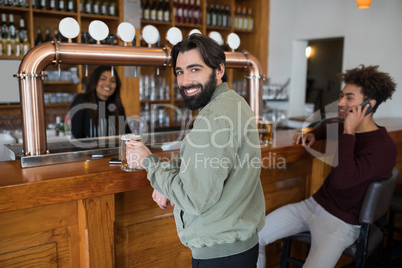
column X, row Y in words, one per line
column 59, row 97
column 156, row 12
column 218, row 15
column 243, row 19
column 14, row 3
column 98, row 7
column 159, row 115
column 13, row 41
column 153, row 87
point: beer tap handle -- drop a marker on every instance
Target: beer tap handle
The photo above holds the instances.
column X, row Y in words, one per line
column 151, row 35
column 126, row 33
column 69, row 28
column 217, row 37
column 233, row 41
column 193, row 31
column 98, row 30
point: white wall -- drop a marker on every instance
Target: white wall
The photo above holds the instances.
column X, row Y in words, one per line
column 9, row 91
column 371, row 37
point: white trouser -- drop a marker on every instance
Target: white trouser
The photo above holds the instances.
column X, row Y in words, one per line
column 329, row 235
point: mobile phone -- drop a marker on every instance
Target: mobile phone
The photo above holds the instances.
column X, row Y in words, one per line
column 369, row 109
column 115, row 161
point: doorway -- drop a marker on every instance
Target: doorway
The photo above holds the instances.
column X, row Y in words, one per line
column 323, row 66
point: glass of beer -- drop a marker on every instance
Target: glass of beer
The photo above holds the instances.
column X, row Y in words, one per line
column 123, row 152
column 265, row 128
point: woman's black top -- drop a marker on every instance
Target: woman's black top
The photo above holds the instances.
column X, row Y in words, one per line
column 82, row 125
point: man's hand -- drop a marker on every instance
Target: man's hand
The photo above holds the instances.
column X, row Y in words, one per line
column 136, row 152
column 161, row 200
column 353, row 117
column 305, row 139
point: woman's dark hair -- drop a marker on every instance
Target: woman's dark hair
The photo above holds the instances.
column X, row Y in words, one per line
column 212, row 54
column 90, row 94
column 375, row 84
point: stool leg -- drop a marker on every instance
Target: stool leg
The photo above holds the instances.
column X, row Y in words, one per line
column 390, row 229
column 286, row 243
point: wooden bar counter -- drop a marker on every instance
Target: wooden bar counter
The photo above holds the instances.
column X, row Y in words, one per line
column 92, row 214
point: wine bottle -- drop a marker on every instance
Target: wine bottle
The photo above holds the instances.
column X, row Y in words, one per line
column 39, row 39
column 26, row 46
column 153, row 10
column 167, row 12
column 159, row 12
column 47, row 35
column 146, row 10
column 112, row 8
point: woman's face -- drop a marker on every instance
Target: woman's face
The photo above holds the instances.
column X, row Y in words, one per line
column 106, row 86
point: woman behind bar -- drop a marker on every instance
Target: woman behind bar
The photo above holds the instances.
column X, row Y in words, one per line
column 99, row 112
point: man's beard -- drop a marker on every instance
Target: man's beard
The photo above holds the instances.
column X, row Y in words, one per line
column 201, row 99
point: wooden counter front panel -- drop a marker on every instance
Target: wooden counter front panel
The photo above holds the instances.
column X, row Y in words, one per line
column 146, row 235
column 39, row 237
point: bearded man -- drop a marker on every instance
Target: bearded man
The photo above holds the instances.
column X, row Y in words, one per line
column 219, row 205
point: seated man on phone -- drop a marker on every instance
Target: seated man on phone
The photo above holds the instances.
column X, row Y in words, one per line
column 365, row 153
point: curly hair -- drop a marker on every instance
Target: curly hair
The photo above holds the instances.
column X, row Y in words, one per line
column 374, row 84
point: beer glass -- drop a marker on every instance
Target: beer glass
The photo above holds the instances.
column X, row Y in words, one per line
column 265, row 129
column 123, row 152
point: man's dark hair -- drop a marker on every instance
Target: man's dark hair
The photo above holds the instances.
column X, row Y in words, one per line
column 212, row 54
column 375, row 84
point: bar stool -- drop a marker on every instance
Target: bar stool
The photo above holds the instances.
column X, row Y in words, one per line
column 394, row 208
column 372, row 219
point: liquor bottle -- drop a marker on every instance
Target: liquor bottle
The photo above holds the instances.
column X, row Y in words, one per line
column 167, row 12
column 250, row 20
column 26, row 46
column 208, row 14
column 213, row 15
column 159, row 12
column 17, row 45
column 180, row 18
column 88, row 6
column 4, row 29
column 225, row 17
column 146, row 10
column 229, row 17
column 239, row 19
column 11, row 25
column 70, row 6
column 104, row 8
column 47, row 35
column 153, row 10
column 112, row 8
column 52, row 4
column 9, row 46
column 43, row 4
column 96, row 7
column 185, row 12
column 22, row 32
column 61, row 5
column 175, row 18
column 190, row 12
column 197, row 13
column 219, row 15
column 57, row 34
column 39, row 39
column 245, row 18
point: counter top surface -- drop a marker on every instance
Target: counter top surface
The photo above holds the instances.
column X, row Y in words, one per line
column 22, row 188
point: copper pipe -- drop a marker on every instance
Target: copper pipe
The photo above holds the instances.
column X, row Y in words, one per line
column 30, row 75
